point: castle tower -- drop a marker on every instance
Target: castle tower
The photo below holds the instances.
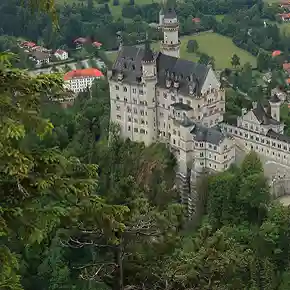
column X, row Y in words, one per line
column 275, row 104
column 170, row 44
column 149, row 79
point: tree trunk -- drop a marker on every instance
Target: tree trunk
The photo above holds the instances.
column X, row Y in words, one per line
column 119, row 279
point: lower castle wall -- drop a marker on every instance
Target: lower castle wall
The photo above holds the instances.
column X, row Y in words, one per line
column 268, row 148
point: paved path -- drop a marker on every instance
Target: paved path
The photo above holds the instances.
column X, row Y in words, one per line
column 285, row 200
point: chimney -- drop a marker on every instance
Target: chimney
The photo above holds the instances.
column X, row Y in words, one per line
column 254, row 105
column 244, row 111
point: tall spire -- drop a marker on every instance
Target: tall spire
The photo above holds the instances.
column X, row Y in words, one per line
column 148, row 53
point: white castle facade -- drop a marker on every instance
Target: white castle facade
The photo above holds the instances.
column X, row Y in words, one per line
column 158, row 97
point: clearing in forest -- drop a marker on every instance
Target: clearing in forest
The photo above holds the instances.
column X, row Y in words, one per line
column 220, row 47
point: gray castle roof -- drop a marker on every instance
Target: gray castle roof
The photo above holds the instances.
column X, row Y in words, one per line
column 280, row 137
column 181, row 106
column 274, row 99
column 188, row 74
column 263, row 117
column 212, row 135
column 170, row 13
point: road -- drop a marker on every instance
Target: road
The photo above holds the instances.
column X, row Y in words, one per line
column 273, row 168
column 62, row 68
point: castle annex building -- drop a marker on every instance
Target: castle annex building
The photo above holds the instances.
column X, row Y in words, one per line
column 160, row 97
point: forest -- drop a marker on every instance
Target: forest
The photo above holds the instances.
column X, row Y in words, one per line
column 82, row 209
column 242, row 20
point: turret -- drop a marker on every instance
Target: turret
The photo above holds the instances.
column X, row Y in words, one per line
column 170, row 44
column 161, row 16
column 149, row 80
column 148, row 62
column 275, row 104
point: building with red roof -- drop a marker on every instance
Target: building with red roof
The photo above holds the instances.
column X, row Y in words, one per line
column 196, row 20
column 28, row 44
column 97, row 44
column 276, row 53
column 284, row 16
column 286, row 66
column 82, row 79
column 61, row 54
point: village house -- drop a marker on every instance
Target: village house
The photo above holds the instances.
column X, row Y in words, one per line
column 82, row 79
column 61, row 54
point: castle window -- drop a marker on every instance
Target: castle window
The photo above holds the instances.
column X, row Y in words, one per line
column 136, row 130
column 257, row 139
column 125, row 89
column 174, row 141
column 117, row 97
column 129, row 119
column 279, row 145
column 118, row 117
column 201, row 154
column 141, row 92
column 117, row 88
column 133, row 66
column 134, row 91
column 125, row 100
column 285, row 147
column 268, row 142
column 214, row 148
column 135, row 121
column 129, row 128
column 142, row 131
column 142, row 113
column 273, row 144
column 118, row 108
column 134, row 101
column 142, row 122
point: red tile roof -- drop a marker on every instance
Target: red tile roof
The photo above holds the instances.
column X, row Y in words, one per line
column 80, row 73
column 80, row 40
column 288, row 81
column 286, row 66
column 97, row 44
column 28, row 44
column 276, row 52
column 196, row 20
column 60, row 52
column 285, row 15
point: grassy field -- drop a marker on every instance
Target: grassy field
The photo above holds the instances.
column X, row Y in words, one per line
column 219, row 17
column 284, row 28
column 220, row 47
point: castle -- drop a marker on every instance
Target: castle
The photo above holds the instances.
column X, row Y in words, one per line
column 158, row 97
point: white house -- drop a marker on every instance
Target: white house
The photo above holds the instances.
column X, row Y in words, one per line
column 82, row 79
column 61, row 54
